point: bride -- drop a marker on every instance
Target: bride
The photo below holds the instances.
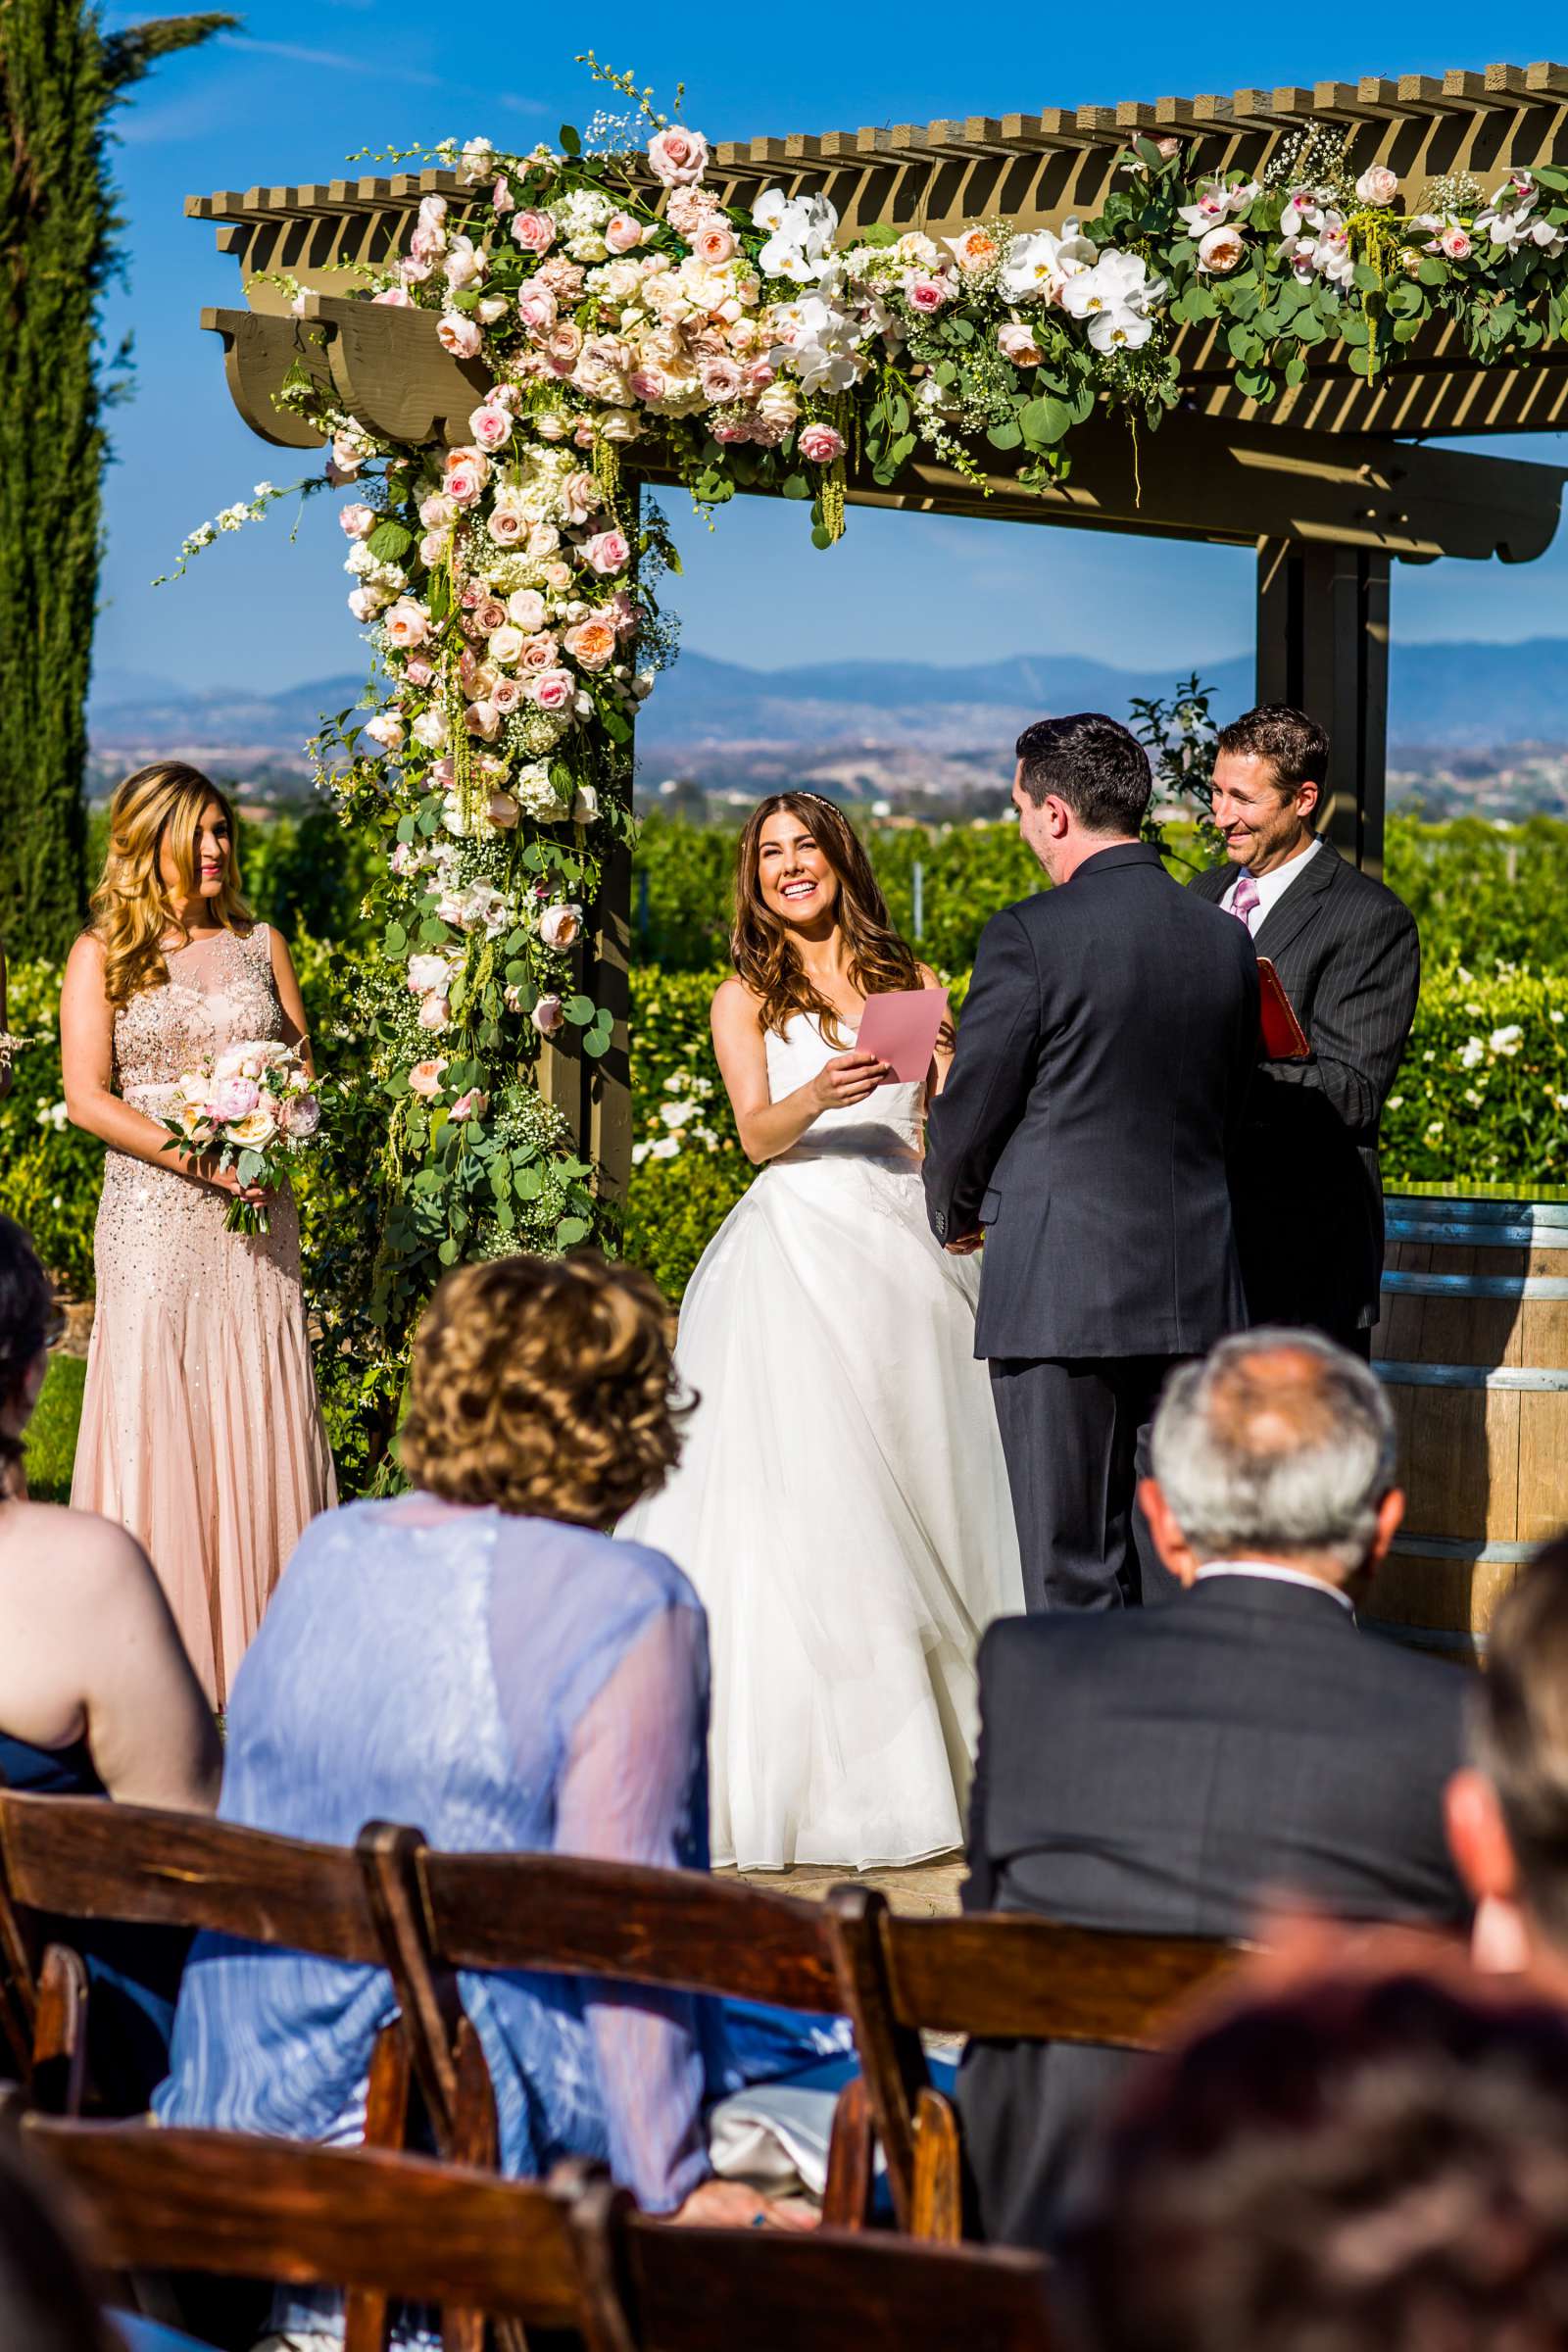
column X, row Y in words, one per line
column 840, row 1504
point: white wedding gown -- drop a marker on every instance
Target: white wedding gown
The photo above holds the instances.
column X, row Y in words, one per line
column 840, row 1504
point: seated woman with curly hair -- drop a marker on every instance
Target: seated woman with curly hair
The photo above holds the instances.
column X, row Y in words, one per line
column 479, row 1658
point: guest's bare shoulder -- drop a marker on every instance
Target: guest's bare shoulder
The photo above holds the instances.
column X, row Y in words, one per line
column 93, row 1553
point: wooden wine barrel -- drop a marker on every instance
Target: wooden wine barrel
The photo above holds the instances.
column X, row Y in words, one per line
column 1472, row 1346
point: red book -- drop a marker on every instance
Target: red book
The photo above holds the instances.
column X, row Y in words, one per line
column 1284, row 1038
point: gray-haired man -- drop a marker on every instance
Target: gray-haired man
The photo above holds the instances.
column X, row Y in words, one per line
column 1164, row 1771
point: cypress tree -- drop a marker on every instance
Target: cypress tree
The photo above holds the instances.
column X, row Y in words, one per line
column 60, row 78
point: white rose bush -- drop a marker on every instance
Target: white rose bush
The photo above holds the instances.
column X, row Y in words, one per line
column 609, row 306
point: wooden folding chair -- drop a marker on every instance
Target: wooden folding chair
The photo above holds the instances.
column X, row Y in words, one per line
column 672, row 1928
column 713, row 2290
column 387, row 2228
column 999, row 1975
column 65, row 1858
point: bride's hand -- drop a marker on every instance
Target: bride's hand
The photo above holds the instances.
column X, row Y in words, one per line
column 224, row 1180
column 846, row 1079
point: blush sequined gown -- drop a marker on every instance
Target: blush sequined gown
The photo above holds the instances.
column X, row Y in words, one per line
column 200, row 1427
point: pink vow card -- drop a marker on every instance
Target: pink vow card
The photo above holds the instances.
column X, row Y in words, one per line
column 902, row 1029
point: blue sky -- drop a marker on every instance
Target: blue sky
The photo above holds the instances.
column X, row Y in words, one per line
column 308, row 82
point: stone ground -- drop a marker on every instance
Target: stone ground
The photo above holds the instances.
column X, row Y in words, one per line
column 929, row 1889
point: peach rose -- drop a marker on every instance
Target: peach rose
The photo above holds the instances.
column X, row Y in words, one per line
column 592, row 643
column 503, row 810
column 434, row 1010
column 359, row 521
column 407, row 624
column 459, row 335
column 715, row 244
column 621, row 233
column 560, row 925
column 425, row 1079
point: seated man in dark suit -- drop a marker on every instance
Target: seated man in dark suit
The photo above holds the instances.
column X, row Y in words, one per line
column 1167, row 1771
column 1308, row 1201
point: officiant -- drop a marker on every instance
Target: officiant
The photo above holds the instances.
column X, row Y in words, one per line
column 1308, row 1201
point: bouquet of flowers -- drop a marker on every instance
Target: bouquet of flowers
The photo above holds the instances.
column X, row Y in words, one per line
column 254, row 1108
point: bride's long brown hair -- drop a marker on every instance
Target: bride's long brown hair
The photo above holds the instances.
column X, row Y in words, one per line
column 131, row 908
column 766, row 956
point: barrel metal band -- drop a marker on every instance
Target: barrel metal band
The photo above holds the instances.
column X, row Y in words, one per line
column 1476, row 1286
column 1469, row 1376
column 1426, row 1637
column 1477, row 1552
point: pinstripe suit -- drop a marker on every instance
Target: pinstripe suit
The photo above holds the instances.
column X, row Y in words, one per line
column 1309, row 1197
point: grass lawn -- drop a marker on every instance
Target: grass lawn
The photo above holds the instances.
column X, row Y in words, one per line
column 52, row 1431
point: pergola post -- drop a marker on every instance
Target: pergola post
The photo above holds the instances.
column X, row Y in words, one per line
column 1323, row 645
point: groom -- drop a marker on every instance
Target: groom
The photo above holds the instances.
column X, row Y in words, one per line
column 1106, row 1044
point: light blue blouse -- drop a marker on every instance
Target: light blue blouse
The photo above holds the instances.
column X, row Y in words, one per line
column 503, row 1684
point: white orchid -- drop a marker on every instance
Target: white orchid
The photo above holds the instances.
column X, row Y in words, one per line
column 1214, row 206
column 1118, row 282
column 1038, row 266
column 801, row 232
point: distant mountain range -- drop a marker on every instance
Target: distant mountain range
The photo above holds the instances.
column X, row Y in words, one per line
column 1450, row 697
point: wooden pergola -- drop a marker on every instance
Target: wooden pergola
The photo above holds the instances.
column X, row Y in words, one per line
column 1329, row 485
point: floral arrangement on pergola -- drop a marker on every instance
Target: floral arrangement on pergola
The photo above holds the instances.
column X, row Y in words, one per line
column 605, row 301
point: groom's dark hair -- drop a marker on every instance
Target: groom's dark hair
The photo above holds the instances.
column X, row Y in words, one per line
column 1091, row 763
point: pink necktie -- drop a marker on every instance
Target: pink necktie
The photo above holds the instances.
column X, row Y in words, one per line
column 1245, row 898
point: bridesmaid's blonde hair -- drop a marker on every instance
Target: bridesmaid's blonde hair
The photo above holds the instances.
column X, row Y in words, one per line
column 130, row 906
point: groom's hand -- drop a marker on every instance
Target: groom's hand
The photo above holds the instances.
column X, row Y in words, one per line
column 964, row 1245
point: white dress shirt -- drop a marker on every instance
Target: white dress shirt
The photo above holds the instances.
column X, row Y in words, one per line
column 1271, row 887
column 1275, row 1572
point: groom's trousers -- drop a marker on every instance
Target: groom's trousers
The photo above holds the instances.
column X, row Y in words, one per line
column 1075, row 1433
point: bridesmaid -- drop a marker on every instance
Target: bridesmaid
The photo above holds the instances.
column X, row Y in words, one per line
column 200, row 1427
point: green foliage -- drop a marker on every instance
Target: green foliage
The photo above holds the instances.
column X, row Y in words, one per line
column 1481, row 890
column 1483, row 1094
column 51, row 1439
column 59, row 81
column 50, row 1173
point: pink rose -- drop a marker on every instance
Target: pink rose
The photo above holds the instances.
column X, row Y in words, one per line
column 621, row 233
column 580, row 496
column 490, row 427
column 821, row 443
column 503, row 810
column 359, row 521
column 504, row 696
column 925, row 293
column 607, row 551
column 715, row 243
column 647, row 383
column 418, row 670
column 1378, row 184
column 560, row 925
column 721, row 379
column 436, row 510
column 489, row 615
column 1455, row 243
column 413, row 272
column 434, row 1010
column 459, row 335
column 1017, row 344
column 432, row 212
column 507, row 526
column 526, row 607
column 538, row 653
column 677, row 157
column 564, row 347
column 386, row 729
column 472, row 1106
column 466, row 480
column 301, row 1117
column 364, row 602
column 234, row 1098
column 482, row 719
column 535, row 232
column 548, row 1016
column 536, row 308
column 433, row 547
column 425, row 1079
column 554, row 689
column 622, row 606
column 502, row 200
column 760, row 374
column 583, row 436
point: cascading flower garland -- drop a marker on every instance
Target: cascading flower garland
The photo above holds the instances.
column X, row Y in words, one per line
column 609, row 304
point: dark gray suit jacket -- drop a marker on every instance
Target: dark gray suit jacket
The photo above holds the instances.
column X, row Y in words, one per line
column 1308, row 1196
column 1159, row 1771
column 1109, row 1036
